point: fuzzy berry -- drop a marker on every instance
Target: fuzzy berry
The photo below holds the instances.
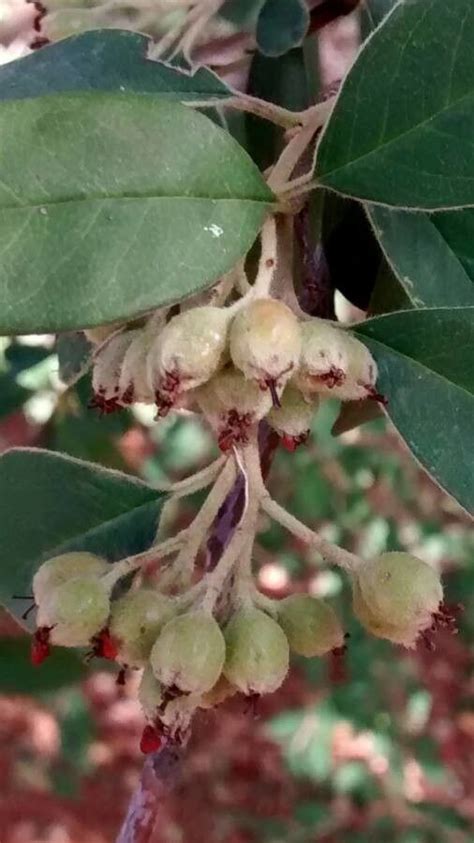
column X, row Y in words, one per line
column 61, row 568
column 76, row 610
column 361, row 374
column 265, row 344
column 187, row 352
column 311, row 625
column 107, row 366
column 136, row 621
column 257, row 652
column 133, row 382
column 189, row 653
column 292, row 420
column 398, row 597
column 232, row 406
column 324, row 358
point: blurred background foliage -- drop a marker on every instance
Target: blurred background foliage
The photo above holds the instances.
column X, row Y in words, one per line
column 383, row 755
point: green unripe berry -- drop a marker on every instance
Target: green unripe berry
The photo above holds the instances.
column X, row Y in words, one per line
column 361, row 372
column 311, row 625
column 133, row 382
column 136, row 621
column 189, row 653
column 59, row 569
column 401, row 592
column 379, row 627
column 107, row 366
column 187, row 352
column 257, row 652
column 324, row 359
column 232, row 405
column 76, row 610
column 149, row 694
column 265, row 342
column 293, row 419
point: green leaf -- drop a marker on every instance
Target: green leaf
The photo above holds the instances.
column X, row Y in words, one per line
column 282, row 25
column 402, row 127
column 74, row 356
column 134, row 204
column 17, row 676
column 388, row 293
column 373, row 12
column 426, row 370
column 104, row 60
column 12, row 395
column 432, row 255
column 50, row 504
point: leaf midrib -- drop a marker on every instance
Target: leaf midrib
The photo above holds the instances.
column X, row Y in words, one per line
column 420, row 364
column 31, row 206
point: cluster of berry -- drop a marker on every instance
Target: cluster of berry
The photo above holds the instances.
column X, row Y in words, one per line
column 235, row 367
column 190, row 658
column 195, row 658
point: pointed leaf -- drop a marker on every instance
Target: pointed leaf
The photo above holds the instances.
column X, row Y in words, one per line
column 432, row 255
column 104, row 60
column 50, row 503
column 426, row 370
column 401, row 130
column 133, row 204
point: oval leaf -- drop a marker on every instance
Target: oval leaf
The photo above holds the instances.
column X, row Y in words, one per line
column 401, row 130
column 104, row 60
column 282, row 25
column 432, row 255
column 426, row 370
column 134, row 203
column 50, row 503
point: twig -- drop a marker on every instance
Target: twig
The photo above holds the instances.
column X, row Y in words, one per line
column 159, row 775
column 332, row 553
column 317, row 294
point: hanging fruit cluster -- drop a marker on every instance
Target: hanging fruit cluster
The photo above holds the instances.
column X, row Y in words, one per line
column 198, row 640
column 191, row 657
column 236, row 366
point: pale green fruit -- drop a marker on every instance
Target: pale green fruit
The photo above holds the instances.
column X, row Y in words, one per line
column 107, row 365
column 361, row 373
column 188, row 351
column 265, row 342
column 133, row 383
column 400, row 591
column 257, row 652
column 295, row 415
column 311, row 625
column 232, row 405
column 76, row 610
column 324, row 358
column 149, row 693
column 59, row 569
column 379, row 627
column 136, row 621
column 189, row 652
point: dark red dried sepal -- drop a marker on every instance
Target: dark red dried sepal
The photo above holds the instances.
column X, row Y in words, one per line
column 41, row 647
column 444, row 619
column 235, row 430
column 104, row 645
column 104, row 405
column 291, row 443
